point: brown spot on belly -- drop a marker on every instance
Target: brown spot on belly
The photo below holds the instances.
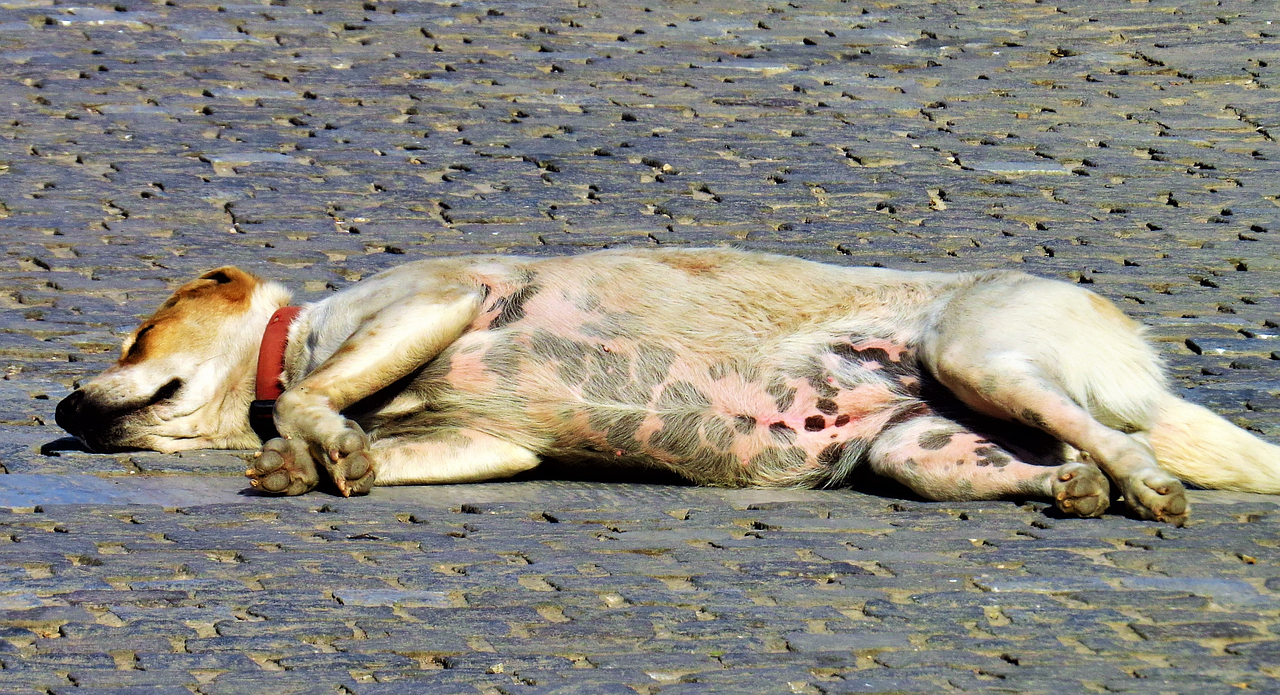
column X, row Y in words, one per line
column 842, row 421
column 814, row 423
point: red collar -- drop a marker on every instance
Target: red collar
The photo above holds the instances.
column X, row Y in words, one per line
column 269, row 384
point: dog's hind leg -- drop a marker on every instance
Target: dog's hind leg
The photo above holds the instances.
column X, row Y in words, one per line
column 1066, row 361
column 448, row 455
column 941, row 460
column 388, row 344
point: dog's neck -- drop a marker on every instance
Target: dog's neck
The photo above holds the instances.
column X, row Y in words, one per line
column 269, row 383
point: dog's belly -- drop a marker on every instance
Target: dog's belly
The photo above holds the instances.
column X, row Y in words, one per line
column 781, row 415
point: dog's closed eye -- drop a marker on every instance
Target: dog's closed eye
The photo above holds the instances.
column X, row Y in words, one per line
column 166, row 392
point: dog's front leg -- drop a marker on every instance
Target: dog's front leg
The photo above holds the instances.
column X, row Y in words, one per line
column 386, row 346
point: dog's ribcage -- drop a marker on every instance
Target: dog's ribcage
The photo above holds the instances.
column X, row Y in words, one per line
column 584, row 370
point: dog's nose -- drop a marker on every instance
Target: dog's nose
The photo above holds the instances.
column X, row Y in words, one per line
column 68, row 411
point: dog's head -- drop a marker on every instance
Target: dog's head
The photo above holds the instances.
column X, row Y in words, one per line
column 184, row 379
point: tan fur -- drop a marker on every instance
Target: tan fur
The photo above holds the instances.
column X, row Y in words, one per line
column 488, row 363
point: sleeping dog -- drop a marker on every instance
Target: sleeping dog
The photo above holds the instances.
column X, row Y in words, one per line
column 729, row 368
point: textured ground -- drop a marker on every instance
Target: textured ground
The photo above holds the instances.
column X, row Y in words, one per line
column 1128, row 146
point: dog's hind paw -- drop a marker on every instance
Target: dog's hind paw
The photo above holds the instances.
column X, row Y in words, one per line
column 283, row 467
column 1081, row 489
column 1154, row 494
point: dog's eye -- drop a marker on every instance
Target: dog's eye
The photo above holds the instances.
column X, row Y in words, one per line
column 167, row 391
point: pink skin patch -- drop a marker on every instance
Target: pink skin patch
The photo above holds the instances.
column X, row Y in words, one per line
column 467, row 371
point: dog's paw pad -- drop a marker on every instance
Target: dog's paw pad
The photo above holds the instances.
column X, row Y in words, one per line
column 1081, row 489
column 350, row 440
column 1156, row 495
column 354, row 474
column 283, row 468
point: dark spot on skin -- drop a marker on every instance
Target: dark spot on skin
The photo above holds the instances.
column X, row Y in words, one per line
column 549, row 346
column 991, row 456
column 652, row 364
column 783, row 396
column 606, row 386
column 826, row 406
column 724, row 369
column 935, row 439
column 776, row 459
column 622, row 434
column 744, row 423
column 1032, row 418
column 842, row 421
column 679, row 434
column 503, row 359
column 782, row 432
column 904, row 366
column 511, row 307
column 682, row 394
column 818, row 376
column 910, row 412
column 711, row 465
column 813, row 423
column 608, row 327
column 609, row 379
column 717, row 433
column 831, row 455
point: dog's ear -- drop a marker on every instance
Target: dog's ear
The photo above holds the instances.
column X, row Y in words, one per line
column 226, row 284
column 230, row 275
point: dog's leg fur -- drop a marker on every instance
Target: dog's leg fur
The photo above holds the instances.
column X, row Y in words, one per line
column 1062, row 359
column 448, row 455
column 941, row 460
column 389, row 343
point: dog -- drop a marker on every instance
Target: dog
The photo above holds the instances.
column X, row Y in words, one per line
column 729, row 368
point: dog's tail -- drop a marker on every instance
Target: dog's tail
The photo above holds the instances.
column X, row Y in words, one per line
column 1204, row 449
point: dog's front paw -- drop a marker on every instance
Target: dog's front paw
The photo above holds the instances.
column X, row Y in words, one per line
column 347, row 459
column 1080, row 488
column 283, row 467
column 1154, row 494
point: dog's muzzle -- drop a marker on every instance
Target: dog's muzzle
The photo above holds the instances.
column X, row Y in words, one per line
column 88, row 421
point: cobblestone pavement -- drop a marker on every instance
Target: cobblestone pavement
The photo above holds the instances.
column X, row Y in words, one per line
column 1129, row 146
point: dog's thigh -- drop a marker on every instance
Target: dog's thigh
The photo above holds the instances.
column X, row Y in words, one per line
column 448, row 455
column 386, row 346
column 941, row 460
column 1063, row 360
